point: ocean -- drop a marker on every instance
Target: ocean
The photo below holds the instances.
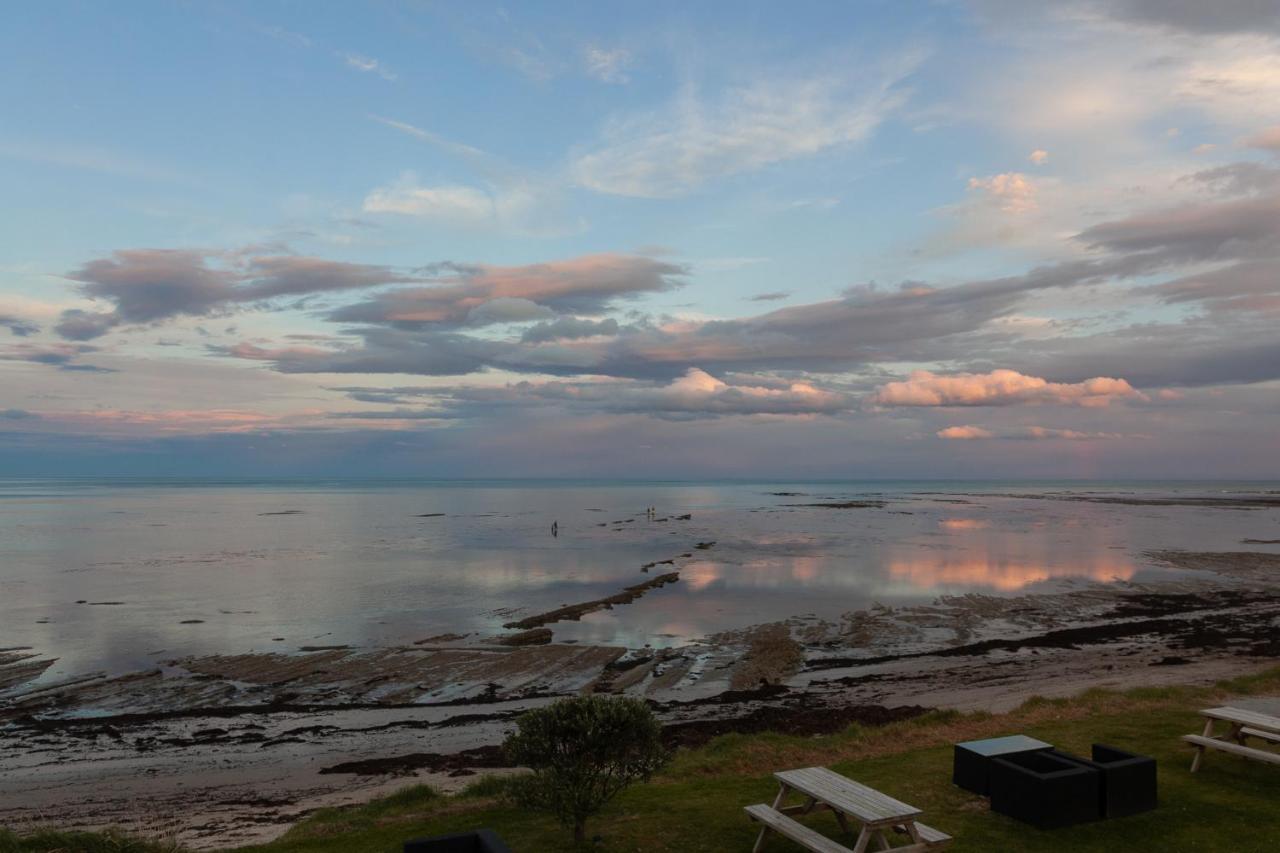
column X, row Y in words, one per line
column 116, row 575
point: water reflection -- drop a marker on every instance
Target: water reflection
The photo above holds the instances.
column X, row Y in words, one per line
column 964, row 524
column 963, row 570
column 385, row 566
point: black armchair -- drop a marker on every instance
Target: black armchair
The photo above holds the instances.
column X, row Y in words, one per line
column 1044, row 790
column 476, row 841
column 1128, row 780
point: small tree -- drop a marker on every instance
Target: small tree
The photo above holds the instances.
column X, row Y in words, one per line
column 583, row 751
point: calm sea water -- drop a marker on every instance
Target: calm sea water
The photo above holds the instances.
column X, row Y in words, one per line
column 119, row 574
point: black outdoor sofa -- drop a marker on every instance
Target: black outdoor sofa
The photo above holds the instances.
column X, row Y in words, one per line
column 475, row 841
column 1050, row 789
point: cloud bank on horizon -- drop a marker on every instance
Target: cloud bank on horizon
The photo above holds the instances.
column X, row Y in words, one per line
column 972, row 239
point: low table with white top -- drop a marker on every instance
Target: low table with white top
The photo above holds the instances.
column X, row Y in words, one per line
column 972, row 759
column 847, row 799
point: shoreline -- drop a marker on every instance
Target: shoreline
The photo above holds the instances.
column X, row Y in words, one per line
column 338, row 726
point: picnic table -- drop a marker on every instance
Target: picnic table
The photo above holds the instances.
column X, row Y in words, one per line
column 1242, row 725
column 823, row 788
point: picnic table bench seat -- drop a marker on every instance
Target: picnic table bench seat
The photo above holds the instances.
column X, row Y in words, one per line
column 930, row 838
column 796, row 831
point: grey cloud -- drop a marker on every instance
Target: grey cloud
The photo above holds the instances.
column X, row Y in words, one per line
column 1200, row 232
column 1246, row 287
column 385, row 351
column 61, row 356
column 912, row 323
column 18, row 326
column 1156, row 355
column 507, row 309
column 1239, row 178
column 18, row 415
column 77, row 325
column 694, row 395
column 769, row 297
column 586, row 285
column 148, row 285
column 569, row 328
column 1194, row 16
column 290, row 275
column 87, row 368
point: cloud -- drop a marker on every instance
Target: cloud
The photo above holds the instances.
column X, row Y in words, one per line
column 584, row 285
column 569, row 328
column 508, row 309
column 1252, row 287
column 448, row 203
column 368, row 65
column 61, row 356
column 965, row 433
column 515, row 204
column 694, row 140
column 147, row 285
column 1268, row 139
column 1236, row 179
column 18, row 326
column 1000, row 388
column 1011, row 192
column 1030, row 433
column 511, row 198
column 18, row 415
column 606, row 65
column 695, row 394
column 700, row 392
column 1194, row 232
column 1039, row 156
column 772, row 296
column 1189, row 16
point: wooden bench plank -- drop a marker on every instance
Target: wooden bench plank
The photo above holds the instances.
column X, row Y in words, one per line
column 1232, row 747
column 797, row 832
column 932, row 837
column 1274, row 737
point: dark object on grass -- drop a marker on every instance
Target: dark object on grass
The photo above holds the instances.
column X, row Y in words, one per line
column 583, row 751
column 972, row 759
column 1044, row 789
column 1128, row 780
column 476, row 841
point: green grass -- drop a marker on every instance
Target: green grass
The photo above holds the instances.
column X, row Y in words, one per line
column 696, row 803
column 80, row 842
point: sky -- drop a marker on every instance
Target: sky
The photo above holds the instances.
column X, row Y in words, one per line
column 943, row 239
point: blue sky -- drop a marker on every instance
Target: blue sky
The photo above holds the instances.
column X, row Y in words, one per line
column 844, row 239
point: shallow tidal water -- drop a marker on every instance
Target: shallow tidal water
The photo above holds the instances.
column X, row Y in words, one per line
column 115, row 575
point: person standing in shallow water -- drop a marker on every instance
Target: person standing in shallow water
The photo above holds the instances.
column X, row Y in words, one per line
column 555, row 528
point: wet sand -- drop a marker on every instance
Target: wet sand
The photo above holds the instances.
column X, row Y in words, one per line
column 220, row 750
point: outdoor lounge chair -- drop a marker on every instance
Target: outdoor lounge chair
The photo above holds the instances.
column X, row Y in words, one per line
column 1128, row 780
column 1044, row 790
column 476, row 841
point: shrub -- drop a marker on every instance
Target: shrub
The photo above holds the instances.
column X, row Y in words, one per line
column 583, row 751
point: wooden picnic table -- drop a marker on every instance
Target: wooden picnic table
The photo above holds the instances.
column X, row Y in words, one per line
column 1242, row 725
column 823, row 788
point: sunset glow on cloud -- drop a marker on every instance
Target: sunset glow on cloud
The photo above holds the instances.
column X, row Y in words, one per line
column 558, row 243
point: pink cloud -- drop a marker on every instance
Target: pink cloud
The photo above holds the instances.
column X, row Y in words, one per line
column 1000, row 388
column 1028, row 433
column 1013, row 192
column 965, row 432
column 1266, row 139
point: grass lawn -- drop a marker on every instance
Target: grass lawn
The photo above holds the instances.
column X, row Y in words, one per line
column 696, row 803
